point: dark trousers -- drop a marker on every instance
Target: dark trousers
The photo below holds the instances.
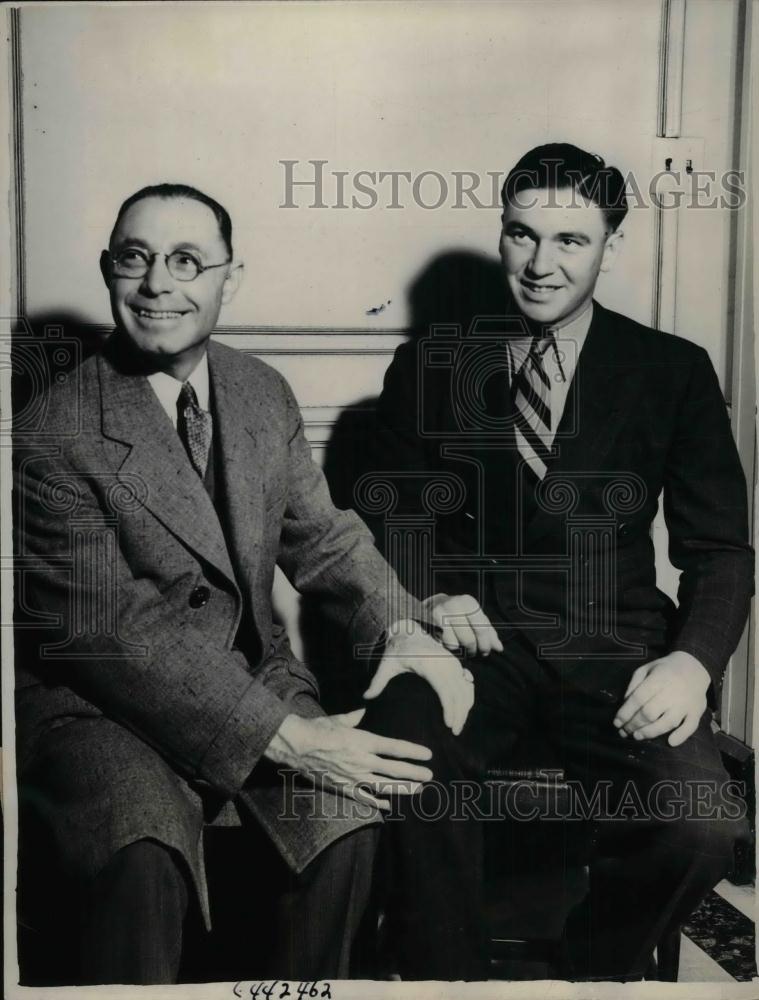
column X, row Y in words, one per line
column 662, row 866
column 137, row 907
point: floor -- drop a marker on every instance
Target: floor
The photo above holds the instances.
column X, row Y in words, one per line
column 718, row 943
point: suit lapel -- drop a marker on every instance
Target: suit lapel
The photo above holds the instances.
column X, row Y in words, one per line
column 600, row 397
column 239, row 442
column 132, row 415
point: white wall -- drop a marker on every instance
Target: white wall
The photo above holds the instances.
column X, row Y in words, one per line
column 709, row 89
column 117, row 97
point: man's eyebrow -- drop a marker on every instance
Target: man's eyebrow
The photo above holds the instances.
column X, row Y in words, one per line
column 186, row 245
column 130, row 241
column 578, row 235
column 510, row 226
column 582, row 237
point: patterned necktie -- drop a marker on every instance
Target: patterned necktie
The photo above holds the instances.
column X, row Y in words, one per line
column 195, row 428
column 531, row 392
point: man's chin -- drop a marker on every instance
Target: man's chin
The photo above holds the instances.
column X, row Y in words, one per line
column 544, row 314
column 157, row 341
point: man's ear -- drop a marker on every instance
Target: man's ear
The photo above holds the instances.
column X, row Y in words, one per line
column 105, row 267
column 232, row 283
column 611, row 250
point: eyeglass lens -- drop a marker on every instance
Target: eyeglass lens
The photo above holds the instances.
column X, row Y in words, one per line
column 132, row 263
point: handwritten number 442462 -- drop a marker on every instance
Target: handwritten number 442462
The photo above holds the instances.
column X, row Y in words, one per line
column 277, row 990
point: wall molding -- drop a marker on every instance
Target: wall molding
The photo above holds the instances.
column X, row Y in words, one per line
column 669, row 120
column 298, row 331
column 319, row 421
column 96, row 330
column 17, row 152
column 671, row 61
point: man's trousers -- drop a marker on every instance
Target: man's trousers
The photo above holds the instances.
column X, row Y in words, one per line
column 138, row 920
column 661, row 812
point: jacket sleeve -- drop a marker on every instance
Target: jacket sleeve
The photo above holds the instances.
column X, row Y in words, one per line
column 331, row 554
column 706, row 514
column 124, row 645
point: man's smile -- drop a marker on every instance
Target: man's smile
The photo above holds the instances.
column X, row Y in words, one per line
column 156, row 314
column 538, row 290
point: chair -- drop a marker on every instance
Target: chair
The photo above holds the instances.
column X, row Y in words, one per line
column 534, row 872
column 537, row 873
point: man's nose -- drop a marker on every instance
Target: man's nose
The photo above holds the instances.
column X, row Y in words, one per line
column 542, row 260
column 157, row 278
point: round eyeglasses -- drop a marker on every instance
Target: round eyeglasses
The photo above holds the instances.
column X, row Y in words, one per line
column 181, row 265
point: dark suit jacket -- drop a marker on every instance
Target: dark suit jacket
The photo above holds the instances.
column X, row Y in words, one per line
column 135, row 709
column 644, row 417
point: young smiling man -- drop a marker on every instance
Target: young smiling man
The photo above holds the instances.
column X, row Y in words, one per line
column 563, row 425
column 552, row 259
column 170, row 476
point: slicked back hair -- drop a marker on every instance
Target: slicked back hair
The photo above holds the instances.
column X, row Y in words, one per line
column 561, row 165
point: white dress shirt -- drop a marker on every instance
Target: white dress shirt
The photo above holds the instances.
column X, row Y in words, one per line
column 167, row 388
column 559, row 362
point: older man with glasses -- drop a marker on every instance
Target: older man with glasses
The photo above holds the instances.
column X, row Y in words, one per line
column 170, row 477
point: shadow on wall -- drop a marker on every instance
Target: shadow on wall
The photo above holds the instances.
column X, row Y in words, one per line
column 44, row 349
column 452, row 289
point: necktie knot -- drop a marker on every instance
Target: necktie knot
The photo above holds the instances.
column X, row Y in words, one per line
column 187, row 396
column 540, row 345
column 195, row 428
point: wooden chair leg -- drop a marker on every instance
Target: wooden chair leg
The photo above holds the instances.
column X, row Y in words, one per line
column 668, row 956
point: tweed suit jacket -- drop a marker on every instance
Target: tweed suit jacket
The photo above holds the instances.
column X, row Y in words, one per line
column 136, row 713
column 644, row 419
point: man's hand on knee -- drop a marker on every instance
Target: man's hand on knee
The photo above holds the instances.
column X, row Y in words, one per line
column 462, row 623
column 359, row 764
column 410, row 649
column 667, row 695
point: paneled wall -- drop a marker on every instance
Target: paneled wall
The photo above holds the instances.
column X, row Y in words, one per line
column 328, row 372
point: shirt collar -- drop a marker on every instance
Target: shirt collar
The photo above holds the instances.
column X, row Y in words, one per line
column 569, row 341
column 167, row 388
column 576, row 329
column 573, row 334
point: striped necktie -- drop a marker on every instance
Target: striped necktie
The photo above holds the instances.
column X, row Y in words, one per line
column 531, row 392
column 195, row 428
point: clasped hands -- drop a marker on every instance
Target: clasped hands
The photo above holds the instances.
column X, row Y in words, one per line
column 667, row 695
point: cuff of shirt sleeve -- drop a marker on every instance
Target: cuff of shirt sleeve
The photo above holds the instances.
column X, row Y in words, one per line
column 243, row 738
column 378, row 612
column 371, row 623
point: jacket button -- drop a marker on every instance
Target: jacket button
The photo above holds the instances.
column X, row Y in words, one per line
column 199, row 597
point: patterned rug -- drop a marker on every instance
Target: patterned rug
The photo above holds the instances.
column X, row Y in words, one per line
column 726, row 935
